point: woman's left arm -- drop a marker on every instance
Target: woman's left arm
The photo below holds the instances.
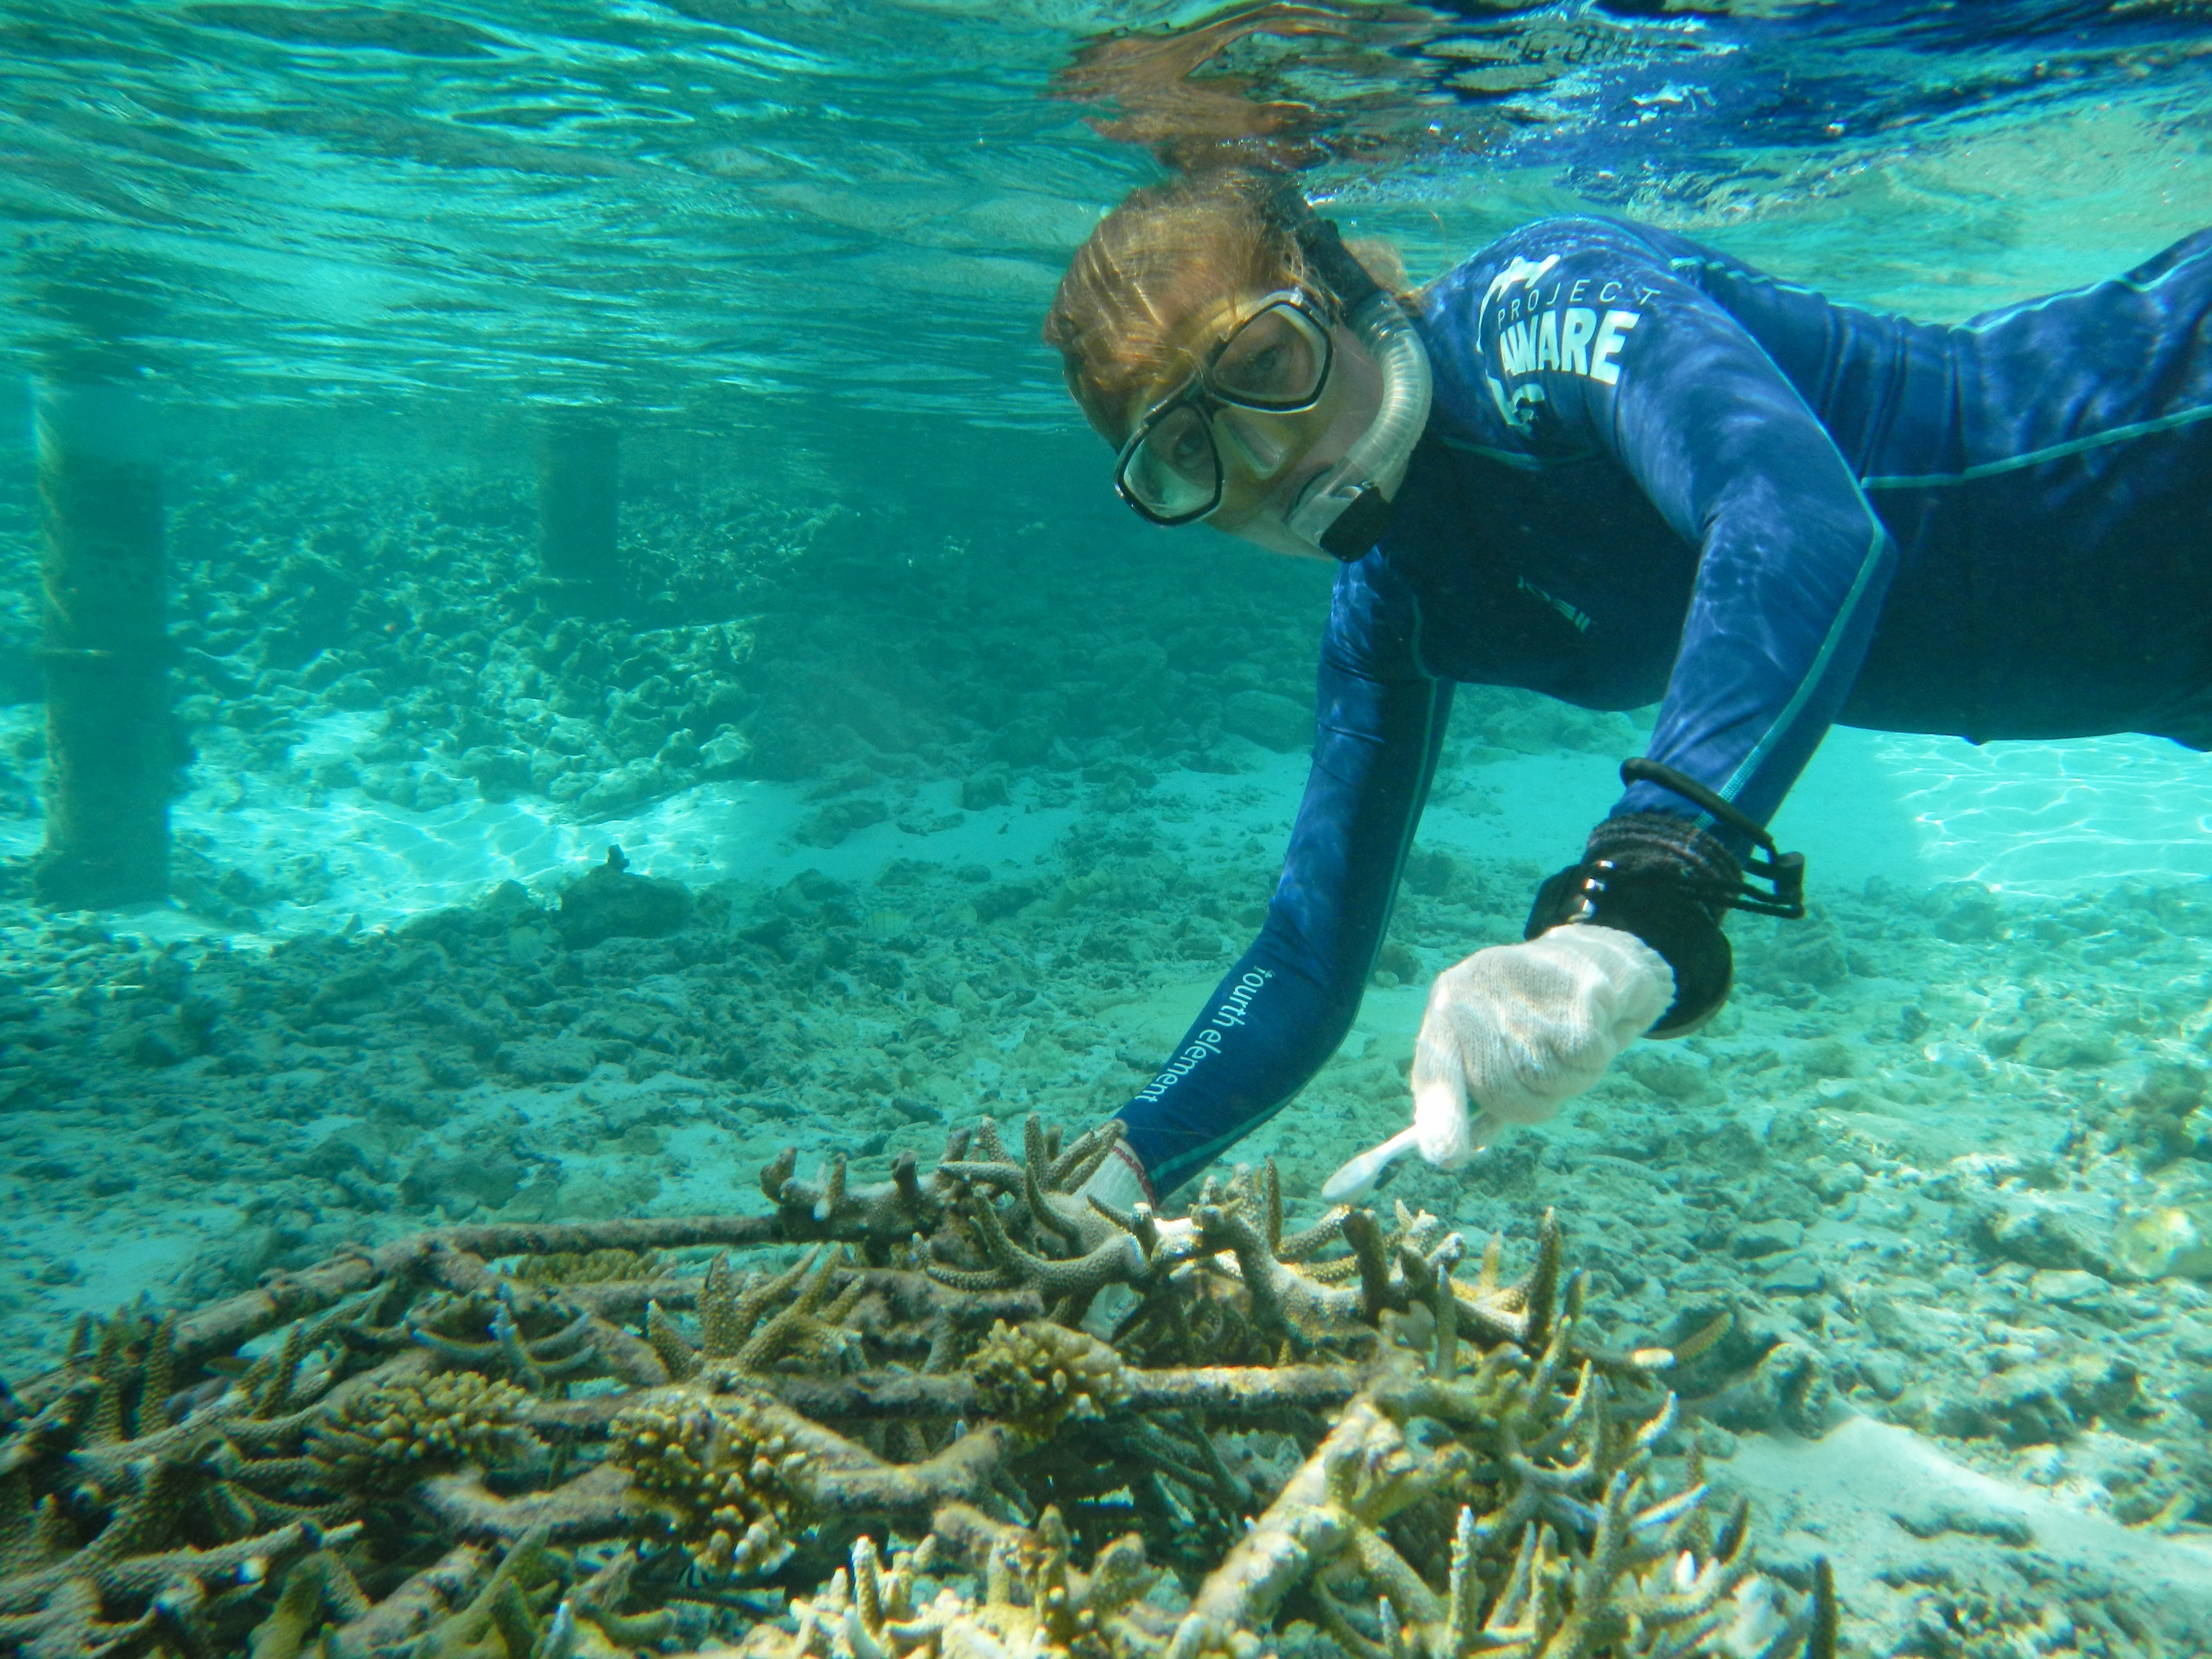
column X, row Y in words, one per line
column 1793, row 563
column 1593, row 342
column 1599, row 344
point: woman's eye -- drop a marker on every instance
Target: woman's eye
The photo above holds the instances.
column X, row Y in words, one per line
column 1271, row 361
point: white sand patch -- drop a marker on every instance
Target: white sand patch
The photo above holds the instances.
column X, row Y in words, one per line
column 2037, row 819
column 1842, row 1496
column 388, row 862
column 2032, row 818
column 120, row 1251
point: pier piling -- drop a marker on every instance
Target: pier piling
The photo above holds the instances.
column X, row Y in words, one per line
column 579, row 500
column 111, row 740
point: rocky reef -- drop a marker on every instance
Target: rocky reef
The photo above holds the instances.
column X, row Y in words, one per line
column 958, row 1413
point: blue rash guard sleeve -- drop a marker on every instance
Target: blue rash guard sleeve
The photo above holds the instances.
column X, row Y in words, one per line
column 1792, row 563
column 1281, row 1011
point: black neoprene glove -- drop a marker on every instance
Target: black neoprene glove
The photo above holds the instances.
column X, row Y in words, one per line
column 1661, row 878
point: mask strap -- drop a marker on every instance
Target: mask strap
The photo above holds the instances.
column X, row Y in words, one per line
column 1322, row 243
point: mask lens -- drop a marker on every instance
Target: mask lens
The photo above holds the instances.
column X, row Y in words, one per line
column 1175, row 471
column 1276, row 360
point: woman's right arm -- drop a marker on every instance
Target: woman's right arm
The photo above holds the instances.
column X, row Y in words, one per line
column 1280, row 1012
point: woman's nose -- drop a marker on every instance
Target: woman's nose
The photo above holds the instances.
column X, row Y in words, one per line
column 1258, row 448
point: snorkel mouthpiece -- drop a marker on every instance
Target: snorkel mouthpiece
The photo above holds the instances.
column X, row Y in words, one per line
column 1344, row 512
column 1358, row 526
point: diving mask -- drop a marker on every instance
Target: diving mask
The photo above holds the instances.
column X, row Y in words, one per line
column 1277, row 363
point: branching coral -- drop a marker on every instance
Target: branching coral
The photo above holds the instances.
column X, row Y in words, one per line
column 1067, row 1285
column 883, row 1212
column 131, row 1358
column 319, row 1590
column 385, row 1439
column 720, row 1485
column 535, row 1361
column 1032, row 1600
column 509, row 1617
column 1344, row 1424
column 108, row 1597
column 1568, row 1548
column 1035, row 1377
column 787, row 1320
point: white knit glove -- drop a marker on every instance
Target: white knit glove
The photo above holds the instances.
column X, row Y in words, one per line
column 1518, row 1028
column 1115, row 1183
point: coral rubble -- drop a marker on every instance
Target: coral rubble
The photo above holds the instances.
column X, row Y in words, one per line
column 530, row 1443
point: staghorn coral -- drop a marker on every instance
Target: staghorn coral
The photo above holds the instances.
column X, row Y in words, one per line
column 319, row 1590
column 1067, row 1285
column 109, row 1596
column 1048, row 1178
column 131, row 1358
column 508, row 1618
column 885, row 1212
column 590, row 1267
column 1034, row 1601
column 1562, row 1544
column 784, row 1320
column 1065, row 1249
column 385, row 1439
column 598, row 1603
column 417, row 1602
column 1292, row 1306
column 1351, row 1425
column 1034, row 1377
column 719, row 1485
column 536, row 1361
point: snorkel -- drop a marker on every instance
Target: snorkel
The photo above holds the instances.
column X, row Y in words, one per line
column 1344, row 510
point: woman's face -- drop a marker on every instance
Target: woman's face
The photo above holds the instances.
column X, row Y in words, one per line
column 1268, row 459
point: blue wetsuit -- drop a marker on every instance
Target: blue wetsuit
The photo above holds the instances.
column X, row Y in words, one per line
column 1654, row 474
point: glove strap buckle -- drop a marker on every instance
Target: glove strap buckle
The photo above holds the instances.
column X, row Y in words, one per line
column 1783, row 896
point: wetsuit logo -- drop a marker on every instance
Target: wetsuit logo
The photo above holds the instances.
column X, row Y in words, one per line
column 1235, row 1010
column 1573, row 330
column 1568, row 338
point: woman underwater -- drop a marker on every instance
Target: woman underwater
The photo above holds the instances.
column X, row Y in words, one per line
column 1601, row 462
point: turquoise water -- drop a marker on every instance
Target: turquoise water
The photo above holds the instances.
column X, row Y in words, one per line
column 963, row 787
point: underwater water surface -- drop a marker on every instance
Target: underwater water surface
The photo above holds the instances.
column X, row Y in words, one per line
column 899, row 778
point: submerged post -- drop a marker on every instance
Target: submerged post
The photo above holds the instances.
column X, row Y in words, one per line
column 111, row 746
column 579, row 496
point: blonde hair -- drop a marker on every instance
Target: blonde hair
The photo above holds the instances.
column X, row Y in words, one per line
column 1169, row 251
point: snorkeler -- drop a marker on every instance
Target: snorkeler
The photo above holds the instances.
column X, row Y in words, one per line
column 1601, row 462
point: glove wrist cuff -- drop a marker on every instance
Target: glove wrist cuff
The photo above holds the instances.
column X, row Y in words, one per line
column 1666, row 881
column 1143, row 1181
column 1664, row 847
